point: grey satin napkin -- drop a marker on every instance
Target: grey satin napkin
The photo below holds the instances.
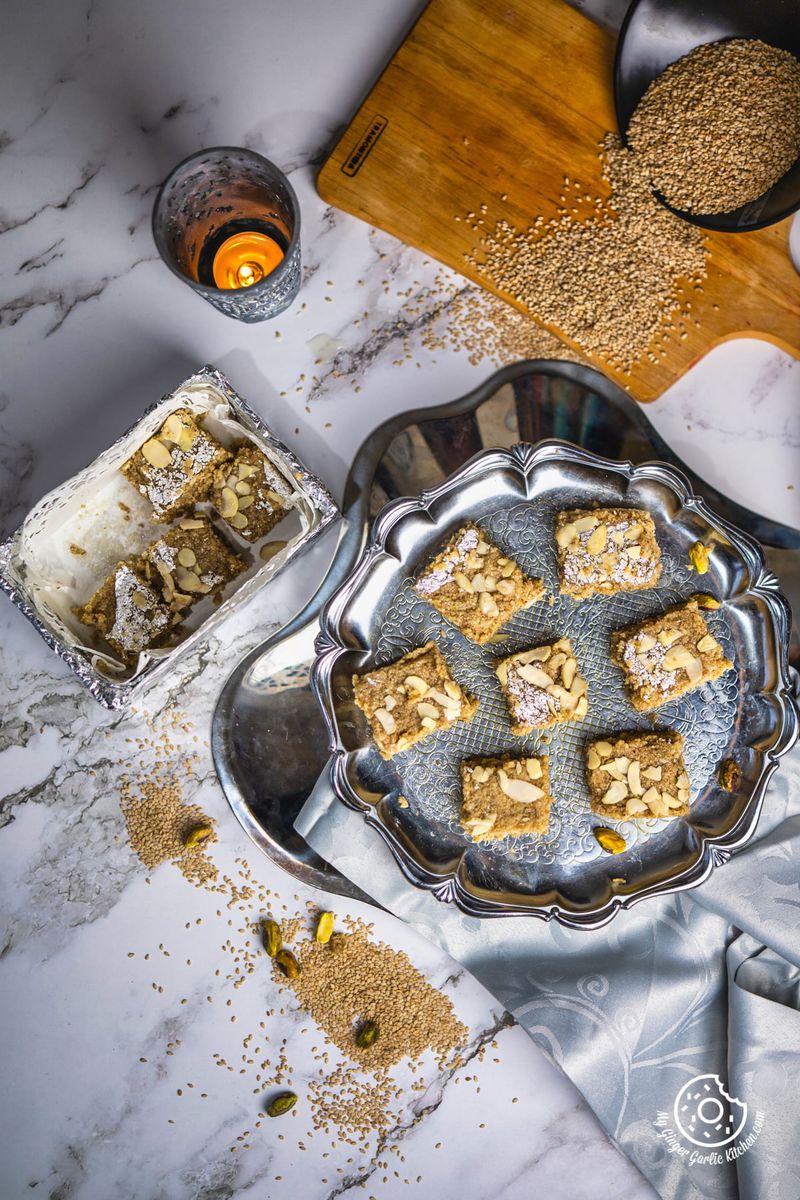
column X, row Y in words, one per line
column 703, row 983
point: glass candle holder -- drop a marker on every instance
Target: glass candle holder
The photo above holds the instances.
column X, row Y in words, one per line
column 226, row 221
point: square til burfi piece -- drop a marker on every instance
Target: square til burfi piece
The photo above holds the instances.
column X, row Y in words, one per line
column 475, row 586
column 128, row 612
column 665, row 656
column 189, row 562
column 638, row 775
column 250, row 494
column 543, row 686
column 175, row 468
column 410, row 698
column 505, row 797
column 602, row 551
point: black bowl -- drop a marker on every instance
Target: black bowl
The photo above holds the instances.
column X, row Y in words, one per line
column 656, row 33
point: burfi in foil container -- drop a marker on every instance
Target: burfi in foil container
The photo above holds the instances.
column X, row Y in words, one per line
column 72, row 541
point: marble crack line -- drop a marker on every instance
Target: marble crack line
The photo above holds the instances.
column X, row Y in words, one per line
column 27, row 795
column 87, row 175
column 37, row 261
column 354, row 362
column 14, row 311
column 397, row 1132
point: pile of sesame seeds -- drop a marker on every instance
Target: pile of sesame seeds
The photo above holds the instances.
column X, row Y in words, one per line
column 159, row 823
column 720, row 126
column 614, row 275
column 353, row 979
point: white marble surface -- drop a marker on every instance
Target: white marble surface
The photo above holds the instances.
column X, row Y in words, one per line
column 98, row 100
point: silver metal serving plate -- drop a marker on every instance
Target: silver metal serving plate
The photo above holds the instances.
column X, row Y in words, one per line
column 748, row 714
column 268, row 736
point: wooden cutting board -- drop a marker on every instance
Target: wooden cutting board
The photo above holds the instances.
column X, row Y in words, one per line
column 494, row 102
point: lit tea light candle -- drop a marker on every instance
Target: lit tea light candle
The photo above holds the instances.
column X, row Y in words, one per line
column 244, row 259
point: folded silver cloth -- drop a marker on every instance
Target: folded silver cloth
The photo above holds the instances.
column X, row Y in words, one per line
column 679, row 1021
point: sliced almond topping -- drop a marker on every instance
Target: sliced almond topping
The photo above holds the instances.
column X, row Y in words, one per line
column 568, row 672
column 534, row 768
column 645, row 642
column 246, row 470
column 534, row 675
column 566, row 535
column 506, row 587
column 622, row 763
column 482, row 547
column 652, row 794
column 592, row 759
column 578, row 687
column 615, row 794
column 604, row 749
column 582, row 707
column 386, row 720
column 452, row 689
column 488, row 605
column 518, row 789
column 540, row 654
column 678, row 656
column 653, row 773
column 191, row 523
column 683, row 795
column 187, row 557
column 246, row 501
column 157, row 454
column 171, row 429
column 389, row 703
column 585, row 523
column 670, row 800
column 428, row 723
column 706, row 644
column 566, row 700
column 635, row 807
column 190, row 581
column 614, row 771
column 140, row 600
column 668, row 637
column 481, row 774
column 634, row 781
column 416, row 684
column 479, row 583
column 427, row 710
column 478, row 826
column 634, row 551
column 634, row 534
column 618, row 536
column 507, row 570
column 683, row 780
column 463, row 582
column 242, row 488
column 229, row 503
column 694, row 671
column 238, row 520
column 597, row 541
column 501, row 671
column 556, row 661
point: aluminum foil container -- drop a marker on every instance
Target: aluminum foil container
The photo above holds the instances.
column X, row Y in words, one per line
column 413, row 800
column 72, row 539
